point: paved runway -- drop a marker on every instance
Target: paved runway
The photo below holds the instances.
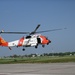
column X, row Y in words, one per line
column 38, row 69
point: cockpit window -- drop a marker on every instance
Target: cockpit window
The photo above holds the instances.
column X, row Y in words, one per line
column 28, row 37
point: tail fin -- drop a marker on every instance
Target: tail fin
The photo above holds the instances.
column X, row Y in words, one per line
column 3, row 42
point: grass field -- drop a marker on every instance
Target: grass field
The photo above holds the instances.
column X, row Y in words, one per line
column 43, row 59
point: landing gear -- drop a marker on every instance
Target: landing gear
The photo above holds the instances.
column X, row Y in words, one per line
column 23, row 49
column 36, row 46
column 43, row 46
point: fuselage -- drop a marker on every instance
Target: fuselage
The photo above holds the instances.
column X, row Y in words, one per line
column 28, row 41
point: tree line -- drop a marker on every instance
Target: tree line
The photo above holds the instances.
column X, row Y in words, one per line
column 46, row 54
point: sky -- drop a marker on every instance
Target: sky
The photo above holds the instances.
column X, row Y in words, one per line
column 25, row 15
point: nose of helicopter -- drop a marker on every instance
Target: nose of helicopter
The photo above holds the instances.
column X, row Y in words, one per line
column 49, row 41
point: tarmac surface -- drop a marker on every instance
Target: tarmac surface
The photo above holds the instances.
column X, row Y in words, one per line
column 38, row 69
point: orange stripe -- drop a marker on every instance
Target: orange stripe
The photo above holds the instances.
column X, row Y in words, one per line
column 20, row 43
column 3, row 42
column 44, row 41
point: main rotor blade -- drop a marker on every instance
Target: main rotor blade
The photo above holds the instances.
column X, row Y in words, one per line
column 49, row 30
column 2, row 32
column 14, row 32
column 36, row 27
column 33, row 32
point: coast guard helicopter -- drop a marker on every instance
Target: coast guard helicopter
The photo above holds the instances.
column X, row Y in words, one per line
column 33, row 39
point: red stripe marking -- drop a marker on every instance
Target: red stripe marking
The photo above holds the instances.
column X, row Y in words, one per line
column 20, row 43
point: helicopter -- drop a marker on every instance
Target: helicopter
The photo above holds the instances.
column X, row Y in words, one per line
column 33, row 39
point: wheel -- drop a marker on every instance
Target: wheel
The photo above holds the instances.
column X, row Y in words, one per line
column 43, row 46
column 23, row 49
column 35, row 46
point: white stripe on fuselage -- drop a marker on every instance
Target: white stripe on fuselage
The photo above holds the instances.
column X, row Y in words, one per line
column 31, row 41
column 13, row 43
